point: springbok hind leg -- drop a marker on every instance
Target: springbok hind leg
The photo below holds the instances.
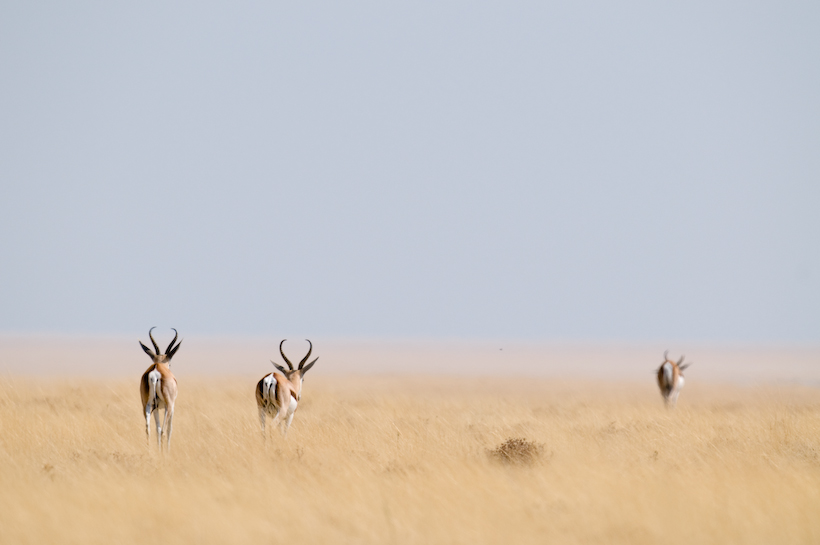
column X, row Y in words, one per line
column 159, row 428
column 262, row 412
column 148, row 425
column 279, row 419
column 291, row 411
column 674, row 398
column 169, row 426
column 289, row 419
column 286, row 425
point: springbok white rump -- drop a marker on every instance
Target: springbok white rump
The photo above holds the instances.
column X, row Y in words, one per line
column 158, row 389
column 278, row 394
column 670, row 379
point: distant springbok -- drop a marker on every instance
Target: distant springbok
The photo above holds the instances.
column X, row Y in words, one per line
column 278, row 394
column 670, row 379
column 158, row 389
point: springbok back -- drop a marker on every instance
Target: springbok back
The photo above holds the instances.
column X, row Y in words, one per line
column 158, row 389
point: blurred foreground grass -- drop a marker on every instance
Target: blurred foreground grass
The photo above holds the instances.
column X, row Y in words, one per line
column 408, row 460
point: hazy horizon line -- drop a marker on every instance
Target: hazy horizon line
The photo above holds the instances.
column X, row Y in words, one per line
column 429, row 339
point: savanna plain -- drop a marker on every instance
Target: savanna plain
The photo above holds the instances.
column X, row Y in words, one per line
column 411, row 459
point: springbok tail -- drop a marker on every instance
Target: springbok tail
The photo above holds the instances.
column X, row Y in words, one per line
column 667, row 376
column 152, row 390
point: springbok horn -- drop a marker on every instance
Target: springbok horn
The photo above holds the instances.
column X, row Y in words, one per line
column 156, row 348
column 681, row 359
column 665, row 356
column 284, row 357
column 170, row 346
column 302, row 363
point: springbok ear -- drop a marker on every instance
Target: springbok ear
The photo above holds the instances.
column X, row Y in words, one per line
column 684, row 366
column 279, row 367
column 173, row 350
column 148, row 350
column 307, row 367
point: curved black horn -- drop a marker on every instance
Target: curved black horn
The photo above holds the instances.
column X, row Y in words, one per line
column 156, row 348
column 301, row 363
column 681, row 359
column 284, row 357
column 170, row 346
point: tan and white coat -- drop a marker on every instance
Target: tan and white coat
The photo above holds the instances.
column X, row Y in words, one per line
column 670, row 379
column 278, row 394
column 158, row 389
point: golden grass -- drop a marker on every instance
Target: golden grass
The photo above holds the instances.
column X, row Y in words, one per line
column 407, row 460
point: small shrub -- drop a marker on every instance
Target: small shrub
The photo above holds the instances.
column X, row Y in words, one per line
column 517, row 451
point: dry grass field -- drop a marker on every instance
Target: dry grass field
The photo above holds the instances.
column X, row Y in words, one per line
column 409, row 460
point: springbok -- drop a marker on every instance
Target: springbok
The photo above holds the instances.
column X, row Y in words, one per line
column 670, row 379
column 278, row 394
column 158, row 389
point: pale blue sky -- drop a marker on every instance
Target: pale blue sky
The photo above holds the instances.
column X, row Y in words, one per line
column 576, row 171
